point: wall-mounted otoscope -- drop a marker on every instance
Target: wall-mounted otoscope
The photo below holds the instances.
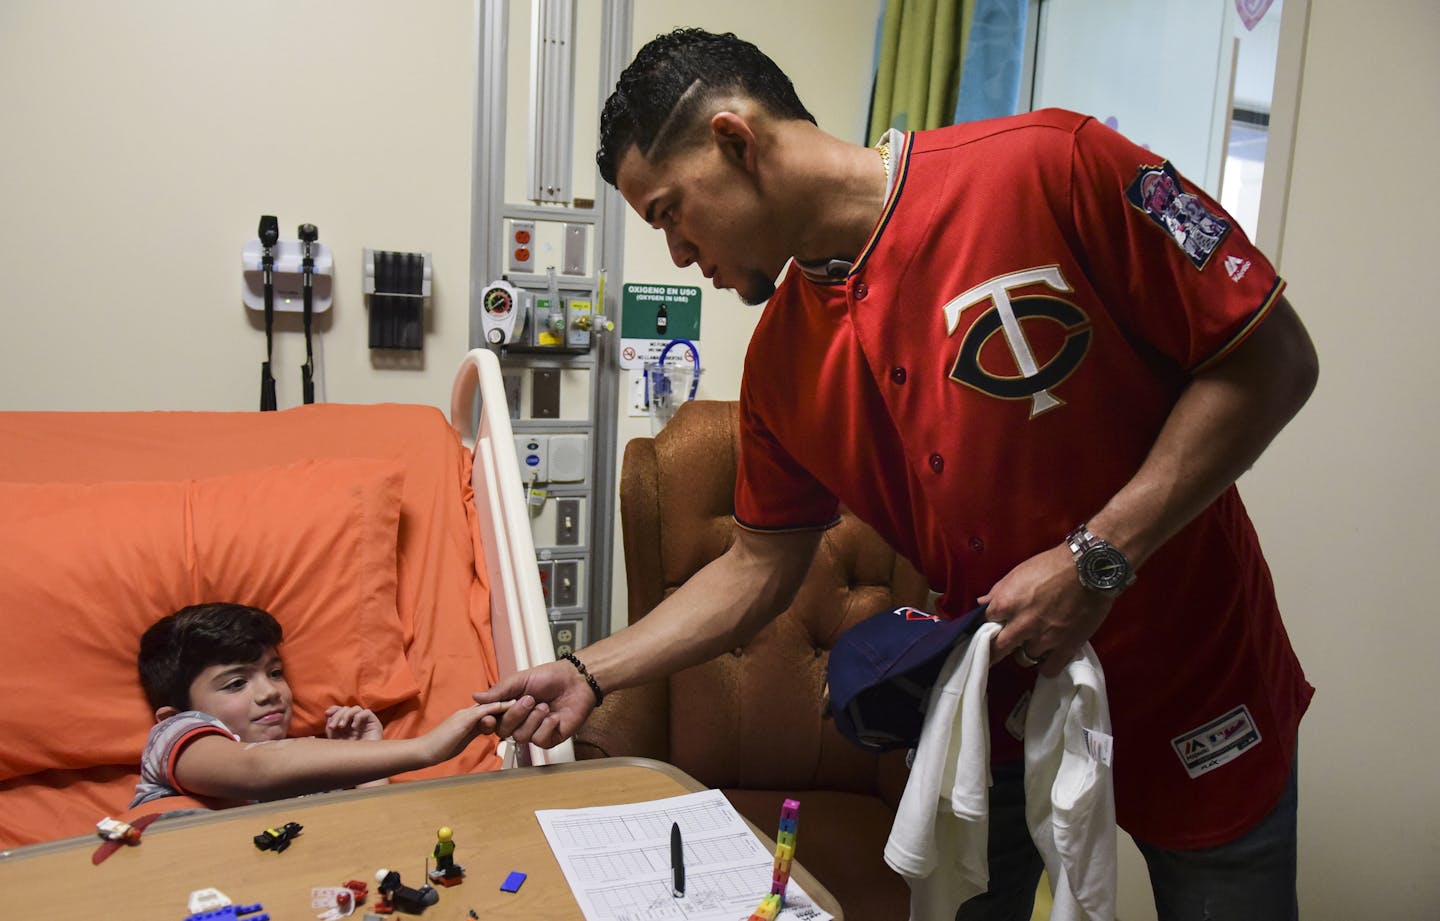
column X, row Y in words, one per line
column 269, row 236
column 308, row 235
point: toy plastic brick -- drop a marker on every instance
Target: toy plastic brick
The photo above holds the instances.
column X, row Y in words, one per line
column 512, row 882
column 232, row 913
column 784, row 854
column 278, row 839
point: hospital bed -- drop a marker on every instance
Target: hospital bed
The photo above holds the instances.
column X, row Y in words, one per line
column 392, row 544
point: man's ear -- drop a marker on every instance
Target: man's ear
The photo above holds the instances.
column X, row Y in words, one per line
column 164, row 713
column 735, row 138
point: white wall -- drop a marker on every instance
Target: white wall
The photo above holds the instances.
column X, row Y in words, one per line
column 1346, row 501
column 143, row 140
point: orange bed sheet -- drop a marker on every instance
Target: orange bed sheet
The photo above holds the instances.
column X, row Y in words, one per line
column 440, row 584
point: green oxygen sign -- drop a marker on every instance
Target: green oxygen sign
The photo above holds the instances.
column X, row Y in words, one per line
column 651, row 316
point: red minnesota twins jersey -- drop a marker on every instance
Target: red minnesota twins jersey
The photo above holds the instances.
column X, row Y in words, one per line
column 995, row 366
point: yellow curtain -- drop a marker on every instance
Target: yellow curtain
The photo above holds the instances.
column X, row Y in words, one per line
column 917, row 75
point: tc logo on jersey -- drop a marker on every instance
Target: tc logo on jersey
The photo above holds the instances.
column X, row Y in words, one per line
column 1003, row 312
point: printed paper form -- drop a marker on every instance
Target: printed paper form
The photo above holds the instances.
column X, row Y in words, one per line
column 617, row 861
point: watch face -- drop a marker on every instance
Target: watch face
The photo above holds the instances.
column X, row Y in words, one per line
column 1104, row 569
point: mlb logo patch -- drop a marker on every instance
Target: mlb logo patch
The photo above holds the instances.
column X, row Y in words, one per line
column 1217, row 742
column 910, row 613
column 1158, row 193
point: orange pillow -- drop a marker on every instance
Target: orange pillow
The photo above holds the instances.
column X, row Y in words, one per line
column 86, row 568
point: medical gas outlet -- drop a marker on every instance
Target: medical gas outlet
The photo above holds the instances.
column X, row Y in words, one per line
column 539, row 321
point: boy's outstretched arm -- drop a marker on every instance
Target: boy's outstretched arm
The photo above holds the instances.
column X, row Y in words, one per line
column 216, row 766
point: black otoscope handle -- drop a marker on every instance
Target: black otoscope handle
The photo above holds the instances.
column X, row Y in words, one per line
column 269, row 235
column 308, row 234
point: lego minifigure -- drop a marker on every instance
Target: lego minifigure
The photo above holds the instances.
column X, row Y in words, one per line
column 116, row 833
column 444, row 849
column 396, row 896
column 447, row 872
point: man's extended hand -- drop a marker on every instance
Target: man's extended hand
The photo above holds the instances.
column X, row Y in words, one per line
column 551, row 702
column 1047, row 614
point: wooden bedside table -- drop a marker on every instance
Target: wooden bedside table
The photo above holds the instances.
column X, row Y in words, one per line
column 349, row 835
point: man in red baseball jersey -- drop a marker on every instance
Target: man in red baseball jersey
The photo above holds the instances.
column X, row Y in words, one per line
column 1035, row 359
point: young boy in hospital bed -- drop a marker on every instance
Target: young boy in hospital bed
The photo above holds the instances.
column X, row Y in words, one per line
column 214, row 677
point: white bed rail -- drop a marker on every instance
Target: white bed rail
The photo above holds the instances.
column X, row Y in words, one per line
column 518, row 618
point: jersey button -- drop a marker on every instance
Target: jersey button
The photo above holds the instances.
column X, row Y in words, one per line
column 977, row 545
column 861, row 289
column 898, row 375
column 937, row 463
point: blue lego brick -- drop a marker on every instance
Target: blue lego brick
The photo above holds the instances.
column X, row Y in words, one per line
column 512, row 882
column 231, row 913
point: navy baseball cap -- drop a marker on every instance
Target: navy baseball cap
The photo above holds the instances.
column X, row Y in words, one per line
column 881, row 670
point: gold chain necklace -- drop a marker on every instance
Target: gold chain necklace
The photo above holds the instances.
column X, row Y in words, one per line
column 884, row 150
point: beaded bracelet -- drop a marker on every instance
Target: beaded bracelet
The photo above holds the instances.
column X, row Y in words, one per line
column 589, row 678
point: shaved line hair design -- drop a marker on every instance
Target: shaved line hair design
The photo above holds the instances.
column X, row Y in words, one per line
column 664, row 92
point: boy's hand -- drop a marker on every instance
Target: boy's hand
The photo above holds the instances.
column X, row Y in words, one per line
column 550, row 703
column 460, row 729
column 352, row 723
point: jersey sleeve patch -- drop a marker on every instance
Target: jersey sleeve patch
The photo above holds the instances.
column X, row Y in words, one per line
column 1157, row 192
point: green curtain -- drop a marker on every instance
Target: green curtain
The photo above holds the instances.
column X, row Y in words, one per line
column 917, row 74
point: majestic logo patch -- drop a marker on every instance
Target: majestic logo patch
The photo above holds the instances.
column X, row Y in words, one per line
column 1236, row 267
column 1158, row 193
column 1217, row 742
column 1003, row 313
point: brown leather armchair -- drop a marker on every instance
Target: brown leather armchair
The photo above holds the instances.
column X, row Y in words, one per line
column 749, row 722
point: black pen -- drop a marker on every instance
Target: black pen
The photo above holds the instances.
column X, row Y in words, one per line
column 677, row 860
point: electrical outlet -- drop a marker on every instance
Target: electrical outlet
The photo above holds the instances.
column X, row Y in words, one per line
column 521, row 246
column 567, row 635
column 567, row 522
column 566, row 587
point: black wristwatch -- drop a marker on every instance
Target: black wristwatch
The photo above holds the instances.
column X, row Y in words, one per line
column 1102, row 568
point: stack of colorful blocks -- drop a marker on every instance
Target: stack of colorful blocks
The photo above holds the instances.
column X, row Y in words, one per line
column 784, row 853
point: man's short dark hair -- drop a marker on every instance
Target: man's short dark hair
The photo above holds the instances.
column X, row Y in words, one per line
column 180, row 646
column 671, row 80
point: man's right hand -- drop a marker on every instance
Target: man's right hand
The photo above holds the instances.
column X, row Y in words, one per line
column 724, row 604
column 551, row 701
